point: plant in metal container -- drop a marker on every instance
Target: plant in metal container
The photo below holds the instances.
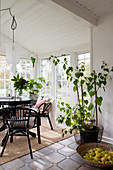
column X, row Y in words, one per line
column 82, row 116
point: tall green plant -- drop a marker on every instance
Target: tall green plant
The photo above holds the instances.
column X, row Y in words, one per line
column 78, row 117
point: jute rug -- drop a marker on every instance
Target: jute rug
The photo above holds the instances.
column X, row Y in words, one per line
column 19, row 147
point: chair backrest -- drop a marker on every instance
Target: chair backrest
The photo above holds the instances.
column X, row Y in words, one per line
column 44, row 107
column 16, row 117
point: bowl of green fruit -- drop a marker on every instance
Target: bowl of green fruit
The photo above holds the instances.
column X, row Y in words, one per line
column 96, row 154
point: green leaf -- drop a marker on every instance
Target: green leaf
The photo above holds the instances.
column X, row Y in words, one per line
column 65, row 131
column 65, row 59
column 82, row 82
column 106, row 69
column 74, row 88
column 99, row 100
column 62, row 134
column 70, row 131
column 100, row 110
column 75, row 82
column 71, row 69
column 75, row 116
column 83, row 129
column 92, row 93
column 56, row 63
column 112, row 69
column 89, row 87
column 71, row 79
column 62, row 103
column 64, row 66
column 81, row 74
column 41, row 79
column 102, row 66
column 90, row 79
column 84, row 94
column 77, row 74
column 91, row 127
column 18, row 76
column 88, row 114
column 68, row 122
column 86, row 102
column 104, row 88
column 58, row 60
column 49, row 58
column 91, row 106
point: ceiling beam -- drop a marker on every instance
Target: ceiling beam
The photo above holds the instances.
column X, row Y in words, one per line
column 78, row 12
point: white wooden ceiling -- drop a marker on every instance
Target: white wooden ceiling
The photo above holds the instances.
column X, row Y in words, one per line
column 42, row 29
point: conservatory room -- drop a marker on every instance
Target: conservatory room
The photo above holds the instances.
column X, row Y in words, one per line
column 56, row 84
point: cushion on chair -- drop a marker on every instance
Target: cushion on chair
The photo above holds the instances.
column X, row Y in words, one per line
column 19, row 123
column 39, row 102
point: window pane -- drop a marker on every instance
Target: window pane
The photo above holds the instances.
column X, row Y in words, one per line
column 62, row 85
column 1, row 70
column 1, row 85
column 86, row 59
column 5, row 81
column 7, row 71
column 46, row 72
column 24, row 68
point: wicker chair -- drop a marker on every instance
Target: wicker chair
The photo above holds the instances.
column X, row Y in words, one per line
column 18, row 121
column 43, row 110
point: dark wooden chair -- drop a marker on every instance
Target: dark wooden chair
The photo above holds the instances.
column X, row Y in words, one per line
column 18, row 121
column 43, row 110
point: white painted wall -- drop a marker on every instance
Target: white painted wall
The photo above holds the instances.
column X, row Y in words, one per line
column 103, row 51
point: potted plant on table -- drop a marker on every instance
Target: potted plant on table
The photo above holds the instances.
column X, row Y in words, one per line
column 82, row 116
column 34, row 86
column 19, row 83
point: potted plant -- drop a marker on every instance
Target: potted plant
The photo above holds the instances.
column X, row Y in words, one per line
column 34, row 86
column 82, row 116
column 19, row 83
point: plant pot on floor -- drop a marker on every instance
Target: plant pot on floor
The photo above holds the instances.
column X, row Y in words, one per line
column 90, row 135
column 100, row 133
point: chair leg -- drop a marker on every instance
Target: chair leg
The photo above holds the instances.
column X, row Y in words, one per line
column 5, row 143
column 50, row 123
column 11, row 139
column 29, row 144
column 38, row 133
column 4, row 139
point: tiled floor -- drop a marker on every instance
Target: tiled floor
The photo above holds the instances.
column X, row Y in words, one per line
column 59, row 156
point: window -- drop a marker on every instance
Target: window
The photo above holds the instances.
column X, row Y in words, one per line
column 86, row 59
column 24, row 68
column 46, row 72
column 62, row 84
column 5, row 82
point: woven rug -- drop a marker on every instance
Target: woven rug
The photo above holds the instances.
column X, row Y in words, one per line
column 19, row 147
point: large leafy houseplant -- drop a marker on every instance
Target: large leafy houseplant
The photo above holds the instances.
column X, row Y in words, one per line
column 34, row 86
column 85, row 112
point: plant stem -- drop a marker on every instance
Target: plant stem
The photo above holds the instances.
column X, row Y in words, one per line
column 95, row 100
column 78, row 94
column 82, row 94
